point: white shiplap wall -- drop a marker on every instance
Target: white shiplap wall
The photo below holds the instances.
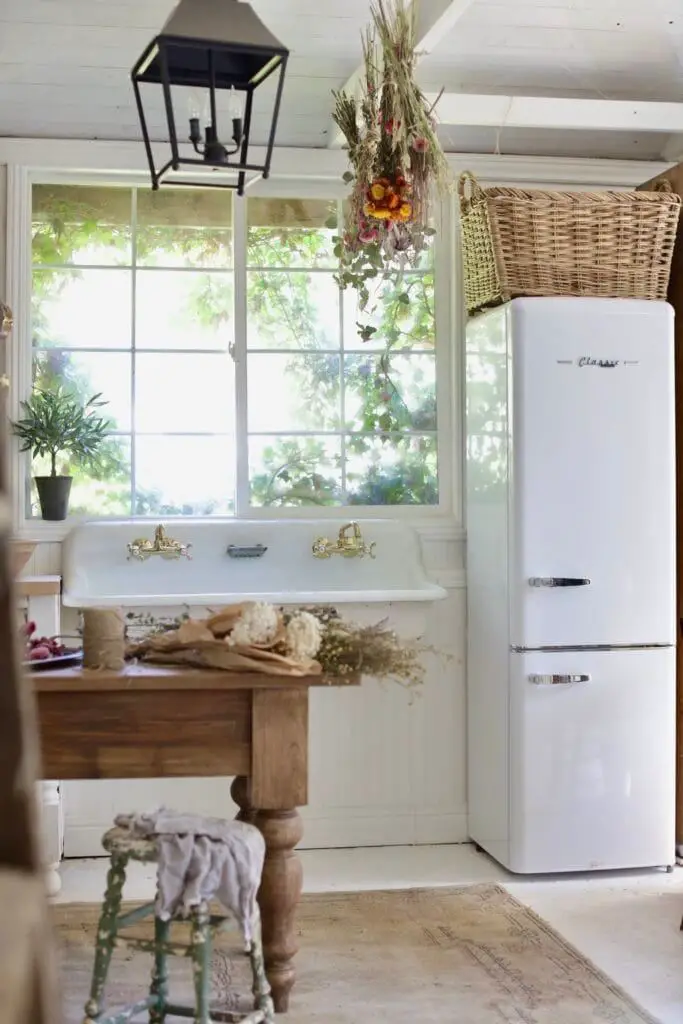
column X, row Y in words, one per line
column 385, row 769
column 64, row 64
column 615, row 49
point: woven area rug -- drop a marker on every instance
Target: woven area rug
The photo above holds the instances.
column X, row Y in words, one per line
column 474, row 955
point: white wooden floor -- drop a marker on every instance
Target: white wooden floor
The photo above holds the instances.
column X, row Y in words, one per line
column 627, row 924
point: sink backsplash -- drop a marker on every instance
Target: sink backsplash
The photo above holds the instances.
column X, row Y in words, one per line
column 217, row 561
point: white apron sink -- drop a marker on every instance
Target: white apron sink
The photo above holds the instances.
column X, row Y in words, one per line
column 231, row 560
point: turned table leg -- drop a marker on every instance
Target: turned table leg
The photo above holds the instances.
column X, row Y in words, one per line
column 278, row 899
column 280, row 889
column 239, row 791
column 52, row 828
column 278, row 784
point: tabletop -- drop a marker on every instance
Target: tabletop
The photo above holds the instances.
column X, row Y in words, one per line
column 136, row 676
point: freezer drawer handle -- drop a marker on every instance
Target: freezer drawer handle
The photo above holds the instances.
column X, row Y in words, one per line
column 558, row 581
column 552, row 680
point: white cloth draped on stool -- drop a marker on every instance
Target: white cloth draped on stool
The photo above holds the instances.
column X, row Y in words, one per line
column 201, row 859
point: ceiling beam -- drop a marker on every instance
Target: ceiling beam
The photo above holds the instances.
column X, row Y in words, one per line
column 469, row 110
column 435, row 19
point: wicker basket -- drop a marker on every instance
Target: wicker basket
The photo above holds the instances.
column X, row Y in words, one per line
column 529, row 242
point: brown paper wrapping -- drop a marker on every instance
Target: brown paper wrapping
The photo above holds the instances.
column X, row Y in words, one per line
column 204, row 644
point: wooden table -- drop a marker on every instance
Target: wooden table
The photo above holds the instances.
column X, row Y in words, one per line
column 153, row 722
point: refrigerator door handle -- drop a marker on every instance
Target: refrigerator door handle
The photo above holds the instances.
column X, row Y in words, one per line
column 554, row 680
column 559, row 581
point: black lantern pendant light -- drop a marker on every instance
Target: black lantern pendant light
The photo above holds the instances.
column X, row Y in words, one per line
column 207, row 46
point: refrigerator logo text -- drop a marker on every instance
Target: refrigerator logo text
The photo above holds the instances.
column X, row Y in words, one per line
column 607, row 364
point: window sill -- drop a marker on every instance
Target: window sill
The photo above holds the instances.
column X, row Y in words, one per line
column 43, row 532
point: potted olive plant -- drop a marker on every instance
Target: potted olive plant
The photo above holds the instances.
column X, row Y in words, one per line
column 57, row 423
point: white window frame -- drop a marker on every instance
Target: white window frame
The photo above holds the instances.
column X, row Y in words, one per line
column 29, row 160
column 20, row 182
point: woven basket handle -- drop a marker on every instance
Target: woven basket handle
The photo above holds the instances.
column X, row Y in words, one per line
column 469, row 189
column 663, row 185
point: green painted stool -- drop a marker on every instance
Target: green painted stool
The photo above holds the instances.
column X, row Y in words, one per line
column 122, row 847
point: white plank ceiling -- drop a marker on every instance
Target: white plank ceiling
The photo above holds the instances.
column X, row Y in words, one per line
column 64, row 66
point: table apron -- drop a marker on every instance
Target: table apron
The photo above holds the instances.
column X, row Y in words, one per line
column 145, row 734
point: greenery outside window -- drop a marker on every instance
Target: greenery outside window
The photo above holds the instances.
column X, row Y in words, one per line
column 232, row 362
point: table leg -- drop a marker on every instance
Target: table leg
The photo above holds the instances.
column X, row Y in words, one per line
column 278, row 899
column 52, row 828
column 239, row 791
column 280, row 889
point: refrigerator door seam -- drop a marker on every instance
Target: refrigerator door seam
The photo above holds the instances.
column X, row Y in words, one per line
column 557, row 648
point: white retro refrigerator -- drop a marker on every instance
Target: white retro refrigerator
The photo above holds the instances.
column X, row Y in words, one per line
column 571, row 584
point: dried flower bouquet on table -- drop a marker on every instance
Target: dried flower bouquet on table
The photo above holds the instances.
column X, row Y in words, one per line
column 257, row 637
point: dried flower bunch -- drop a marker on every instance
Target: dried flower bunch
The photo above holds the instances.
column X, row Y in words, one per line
column 258, row 637
column 374, row 650
column 394, row 151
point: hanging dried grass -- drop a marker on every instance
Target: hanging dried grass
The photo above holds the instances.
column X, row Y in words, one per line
column 397, row 160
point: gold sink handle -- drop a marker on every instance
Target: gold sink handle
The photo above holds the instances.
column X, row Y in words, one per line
column 349, row 544
column 163, row 545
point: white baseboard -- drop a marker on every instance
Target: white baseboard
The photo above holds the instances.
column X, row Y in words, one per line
column 336, row 830
column 439, row 828
column 85, row 841
column 383, row 829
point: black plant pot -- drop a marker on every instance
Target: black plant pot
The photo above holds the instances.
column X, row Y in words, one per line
column 53, row 493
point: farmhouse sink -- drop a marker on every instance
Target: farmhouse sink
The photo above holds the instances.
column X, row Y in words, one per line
column 213, row 562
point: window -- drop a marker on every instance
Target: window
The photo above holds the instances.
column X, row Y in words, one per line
column 133, row 298
column 230, row 359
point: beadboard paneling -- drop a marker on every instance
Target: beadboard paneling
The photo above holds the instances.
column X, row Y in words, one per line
column 46, row 560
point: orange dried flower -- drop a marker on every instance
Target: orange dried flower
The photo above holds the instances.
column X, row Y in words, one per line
column 377, row 212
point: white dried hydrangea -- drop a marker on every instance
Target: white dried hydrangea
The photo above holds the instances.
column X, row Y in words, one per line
column 258, row 624
column 303, row 634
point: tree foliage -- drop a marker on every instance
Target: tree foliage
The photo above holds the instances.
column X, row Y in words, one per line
column 389, row 420
column 487, row 385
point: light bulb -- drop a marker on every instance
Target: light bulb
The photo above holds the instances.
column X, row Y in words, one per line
column 234, row 104
column 198, row 105
column 235, row 114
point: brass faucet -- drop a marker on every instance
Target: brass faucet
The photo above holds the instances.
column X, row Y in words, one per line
column 162, row 545
column 347, row 546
